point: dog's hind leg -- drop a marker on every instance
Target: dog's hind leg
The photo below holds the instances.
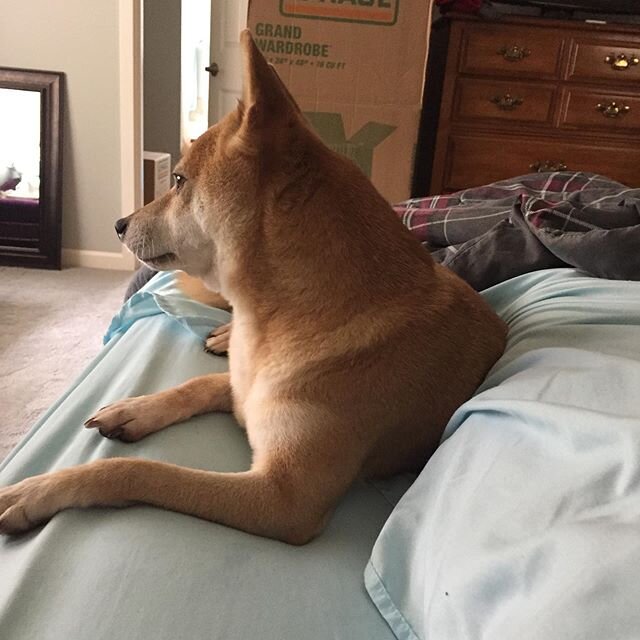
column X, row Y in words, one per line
column 134, row 418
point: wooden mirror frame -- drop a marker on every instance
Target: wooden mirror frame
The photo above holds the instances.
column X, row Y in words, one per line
column 47, row 254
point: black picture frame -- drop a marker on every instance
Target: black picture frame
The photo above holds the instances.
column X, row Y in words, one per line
column 33, row 239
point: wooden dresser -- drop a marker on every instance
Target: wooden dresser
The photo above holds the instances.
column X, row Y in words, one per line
column 519, row 95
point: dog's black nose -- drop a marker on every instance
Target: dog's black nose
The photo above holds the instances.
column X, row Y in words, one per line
column 121, row 227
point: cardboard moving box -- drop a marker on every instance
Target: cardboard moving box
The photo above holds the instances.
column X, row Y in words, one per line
column 157, row 175
column 357, row 68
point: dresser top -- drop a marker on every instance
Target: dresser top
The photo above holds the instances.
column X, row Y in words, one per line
column 539, row 22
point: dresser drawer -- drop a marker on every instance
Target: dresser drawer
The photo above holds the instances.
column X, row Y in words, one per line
column 478, row 99
column 496, row 48
column 609, row 60
column 474, row 160
column 608, row 111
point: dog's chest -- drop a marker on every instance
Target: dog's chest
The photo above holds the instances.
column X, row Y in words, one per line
column 242, row 346
column 254, row 382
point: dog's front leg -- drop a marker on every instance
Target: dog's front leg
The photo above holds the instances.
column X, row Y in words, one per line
column 263, row 502
column 217, row 342
column 131, row 419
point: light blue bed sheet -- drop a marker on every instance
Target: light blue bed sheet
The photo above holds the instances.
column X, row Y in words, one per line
column 143, row 573
column 526, row 522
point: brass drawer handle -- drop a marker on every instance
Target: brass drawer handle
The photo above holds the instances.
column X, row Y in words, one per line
column 507, row 102
column 514, row 53
column 621, row 62
column 548, row 165
column 613, row 109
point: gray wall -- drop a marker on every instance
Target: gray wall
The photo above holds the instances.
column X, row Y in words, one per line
column 161, row 69
column 79, row 38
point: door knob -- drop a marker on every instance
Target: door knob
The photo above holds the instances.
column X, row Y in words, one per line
column 213, row 69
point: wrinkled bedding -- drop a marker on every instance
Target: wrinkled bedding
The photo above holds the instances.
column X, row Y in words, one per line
column 540, row 221
column 526, row 521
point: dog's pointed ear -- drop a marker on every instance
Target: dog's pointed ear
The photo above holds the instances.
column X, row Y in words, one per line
column 265, row 97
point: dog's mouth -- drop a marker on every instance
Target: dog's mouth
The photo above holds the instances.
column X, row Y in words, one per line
column 160, row 260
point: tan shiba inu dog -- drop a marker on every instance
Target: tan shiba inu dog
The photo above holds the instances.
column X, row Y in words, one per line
column 350, row 348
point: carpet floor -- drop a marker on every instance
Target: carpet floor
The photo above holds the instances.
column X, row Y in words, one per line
column 51, row 326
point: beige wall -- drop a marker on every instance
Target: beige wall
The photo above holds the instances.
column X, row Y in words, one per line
column 80, row 38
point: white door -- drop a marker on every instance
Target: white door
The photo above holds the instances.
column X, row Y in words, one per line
column 228, row 19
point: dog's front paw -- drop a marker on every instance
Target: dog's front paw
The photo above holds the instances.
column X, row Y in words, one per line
column 217, row 342
column 27, row 504
column 129, row 420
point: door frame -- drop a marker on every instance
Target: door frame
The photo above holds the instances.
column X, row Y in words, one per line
column 131, row 164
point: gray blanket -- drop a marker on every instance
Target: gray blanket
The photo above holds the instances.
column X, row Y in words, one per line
column 563, row 219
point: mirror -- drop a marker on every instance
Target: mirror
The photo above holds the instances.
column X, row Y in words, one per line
column 30, row 168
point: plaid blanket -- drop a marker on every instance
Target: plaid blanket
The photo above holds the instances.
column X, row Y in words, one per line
column 562, row 219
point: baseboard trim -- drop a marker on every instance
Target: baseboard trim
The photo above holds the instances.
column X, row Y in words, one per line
column 97, row 259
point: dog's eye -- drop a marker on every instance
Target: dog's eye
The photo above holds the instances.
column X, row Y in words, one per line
column 180, row 181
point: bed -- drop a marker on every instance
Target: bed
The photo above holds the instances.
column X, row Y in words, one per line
column 525, row 522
